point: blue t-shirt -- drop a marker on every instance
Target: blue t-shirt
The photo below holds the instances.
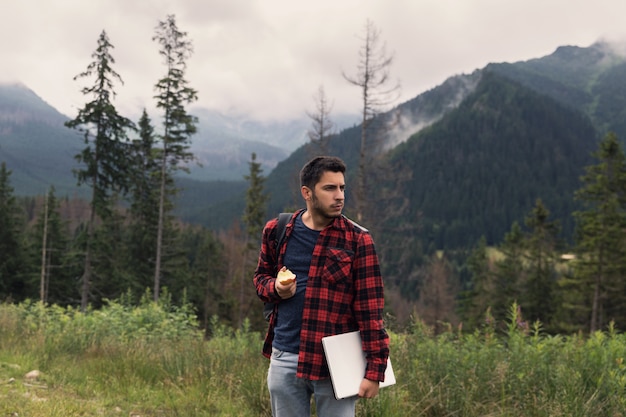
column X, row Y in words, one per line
column 298, row 259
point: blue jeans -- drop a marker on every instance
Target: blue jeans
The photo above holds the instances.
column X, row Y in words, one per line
column 291, row 396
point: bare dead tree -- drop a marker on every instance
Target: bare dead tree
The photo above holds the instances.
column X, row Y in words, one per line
column 378, row 92
column 322, row 127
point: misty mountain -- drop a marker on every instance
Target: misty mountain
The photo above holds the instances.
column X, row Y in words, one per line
column 484, row 165
column 591, row 80
column 34, row 143
column 40, row 150
column 223, row 144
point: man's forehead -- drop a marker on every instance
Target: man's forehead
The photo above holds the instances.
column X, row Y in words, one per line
column 331, row 178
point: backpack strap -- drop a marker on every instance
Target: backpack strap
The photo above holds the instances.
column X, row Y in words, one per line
column 281, row 229
column 358, row 226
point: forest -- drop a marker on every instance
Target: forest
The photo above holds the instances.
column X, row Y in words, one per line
column 565, row 287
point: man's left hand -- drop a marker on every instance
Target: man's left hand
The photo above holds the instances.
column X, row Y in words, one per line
column 368, row 388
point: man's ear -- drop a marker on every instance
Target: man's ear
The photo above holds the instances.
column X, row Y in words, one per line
column 306, row 192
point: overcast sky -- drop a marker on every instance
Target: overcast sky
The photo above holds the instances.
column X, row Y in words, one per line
column 266, row 58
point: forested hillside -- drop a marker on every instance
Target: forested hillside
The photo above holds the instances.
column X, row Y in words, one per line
column 591, row 80
column 484, row 165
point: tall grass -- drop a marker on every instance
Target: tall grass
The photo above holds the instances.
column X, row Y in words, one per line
column 151, row 360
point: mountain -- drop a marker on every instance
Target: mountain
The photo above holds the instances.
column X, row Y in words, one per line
column 484, row 165
column 471, row 156
column 223, row 144
column 34, row 143
column 591, row 80
column 40, row 150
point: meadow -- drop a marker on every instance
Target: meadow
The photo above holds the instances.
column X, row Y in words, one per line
column 151, row 360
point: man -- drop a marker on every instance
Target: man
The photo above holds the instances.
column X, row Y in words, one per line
column 338, row 289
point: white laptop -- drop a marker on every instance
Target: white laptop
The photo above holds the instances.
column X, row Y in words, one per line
column 347, row 364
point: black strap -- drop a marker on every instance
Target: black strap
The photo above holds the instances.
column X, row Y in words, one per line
column 281, row 229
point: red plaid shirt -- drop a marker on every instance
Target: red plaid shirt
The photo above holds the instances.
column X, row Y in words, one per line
column 344, row 293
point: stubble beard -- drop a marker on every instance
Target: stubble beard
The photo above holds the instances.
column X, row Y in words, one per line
column 319, row 209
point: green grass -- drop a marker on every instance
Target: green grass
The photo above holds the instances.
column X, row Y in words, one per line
column 150, row 360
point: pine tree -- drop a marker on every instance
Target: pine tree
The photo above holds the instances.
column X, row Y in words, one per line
column 106, row 154
column 538, row 301
column 173, row 93
column 111, row 276
column 207, row 287
column 509, row 273
column 253, row 220
column 256, row 202
column 476, row 298
column 600, row 244
column 144, row 208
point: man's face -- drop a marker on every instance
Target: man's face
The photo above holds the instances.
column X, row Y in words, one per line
column 328, row 197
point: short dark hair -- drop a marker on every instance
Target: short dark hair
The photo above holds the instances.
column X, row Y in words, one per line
column 315, row 168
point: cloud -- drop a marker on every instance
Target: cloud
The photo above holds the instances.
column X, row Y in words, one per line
column 265, row 58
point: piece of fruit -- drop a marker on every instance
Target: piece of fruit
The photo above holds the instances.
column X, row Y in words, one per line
column 285, row 276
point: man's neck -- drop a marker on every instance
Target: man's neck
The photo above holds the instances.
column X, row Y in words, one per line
column 315, row 221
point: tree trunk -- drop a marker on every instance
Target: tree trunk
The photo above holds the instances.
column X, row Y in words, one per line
column 87, row 270
column 44, row 240
column 595, row 304
column 159, row 248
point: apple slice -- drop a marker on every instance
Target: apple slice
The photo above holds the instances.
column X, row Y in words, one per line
column 285, row 276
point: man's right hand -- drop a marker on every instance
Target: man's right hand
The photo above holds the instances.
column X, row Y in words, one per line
column 285, row 291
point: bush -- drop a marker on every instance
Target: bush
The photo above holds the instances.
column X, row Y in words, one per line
column 152, row 360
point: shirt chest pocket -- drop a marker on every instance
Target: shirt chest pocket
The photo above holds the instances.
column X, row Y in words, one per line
column 338, row 266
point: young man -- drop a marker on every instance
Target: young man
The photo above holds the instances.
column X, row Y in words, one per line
column 338, row 289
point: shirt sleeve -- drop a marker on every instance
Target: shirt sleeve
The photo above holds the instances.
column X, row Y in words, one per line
column 265, row 273
column 368, row 308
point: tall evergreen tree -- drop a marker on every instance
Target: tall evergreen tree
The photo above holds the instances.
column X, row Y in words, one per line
column 600, row 241
column 144, row 207
column 509, row 272
column 476, row 298
column 207, row 285
column 173, row 93
column 105, row 156
column 256, row 202
column 538, row 301
column 111, row 276
column 253, row 220
column 11, row 255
